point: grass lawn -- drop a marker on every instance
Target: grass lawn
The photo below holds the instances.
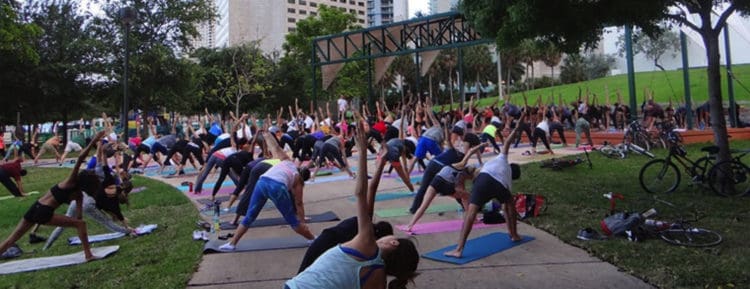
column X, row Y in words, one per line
column 575, row 201
column 657, row 81
column 164, row 259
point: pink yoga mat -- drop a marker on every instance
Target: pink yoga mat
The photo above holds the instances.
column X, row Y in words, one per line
column 443, row 226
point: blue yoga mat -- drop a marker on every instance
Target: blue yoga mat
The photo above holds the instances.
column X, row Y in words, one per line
column 414, row 180
column 388, row 196
column 478, row 248
column 207, row 185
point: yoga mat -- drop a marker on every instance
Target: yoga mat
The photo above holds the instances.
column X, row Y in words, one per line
column 388, row 196
column 140, row 231
column 324, row 173
column 478, row 248
column 400, row 212
column 35, row 264
column 416, row 180
column 207, row 185
column 394, row 174
column 318, row 218
column 232, row 210
column 12, row 196
column 443, row 226
column 329, row 179
column 257, row 244
column 207, row 201
column 187, row 174
column 138, row 190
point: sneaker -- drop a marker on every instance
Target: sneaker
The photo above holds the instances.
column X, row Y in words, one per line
column 33, row 239
column 197, row 235
column 205, row 236
column 227, row 247
column 588, row 234
column 12, row 252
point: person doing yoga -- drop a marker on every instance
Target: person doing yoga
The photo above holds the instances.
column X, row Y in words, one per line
column 43, row 210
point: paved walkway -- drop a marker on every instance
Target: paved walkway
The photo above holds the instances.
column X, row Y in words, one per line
column 544, row 262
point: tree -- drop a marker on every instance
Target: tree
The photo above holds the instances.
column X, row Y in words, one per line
column 330, row 20
column 17, row 56
column 479, row 65
column 550, row 55
column 571, row 24
column 161, row 33
column 653, row 47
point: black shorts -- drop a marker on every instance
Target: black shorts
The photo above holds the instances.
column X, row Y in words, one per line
column 487, row 188
column 39, row 214
column 443, row 187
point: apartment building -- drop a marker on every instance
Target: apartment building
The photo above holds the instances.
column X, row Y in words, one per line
column 381, row 12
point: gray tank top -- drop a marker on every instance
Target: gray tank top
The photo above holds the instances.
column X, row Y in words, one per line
column 336, row 141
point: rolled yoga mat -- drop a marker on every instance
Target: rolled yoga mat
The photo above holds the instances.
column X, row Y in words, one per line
column 478, row 248
column 257, row 244
column 140, row 231
column 34, row 264
column 317, row 218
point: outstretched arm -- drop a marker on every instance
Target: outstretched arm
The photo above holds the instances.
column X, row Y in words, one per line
column 513, row 134
column 82, row 157
column 276, row 151
column 460, row 165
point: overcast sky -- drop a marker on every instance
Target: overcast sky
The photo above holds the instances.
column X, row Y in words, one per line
column 419, row 5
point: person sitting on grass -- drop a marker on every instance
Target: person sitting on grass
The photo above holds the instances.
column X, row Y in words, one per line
column 493, row 182
column 364, row 261
column 43, row 210
column 13, row 170
column 448, row 182
column 283, row 184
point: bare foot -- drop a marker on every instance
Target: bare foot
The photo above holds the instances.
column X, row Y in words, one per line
column 454, row 254
column 92, row 258
column 516, row 238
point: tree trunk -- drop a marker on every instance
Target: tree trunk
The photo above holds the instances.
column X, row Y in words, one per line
column 431, row 97
column 718, row 123
column 450, row 84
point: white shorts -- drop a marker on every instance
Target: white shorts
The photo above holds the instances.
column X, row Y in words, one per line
column 72, row 147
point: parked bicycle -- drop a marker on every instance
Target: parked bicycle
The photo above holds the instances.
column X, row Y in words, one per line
column 731, row 178
column 637, row 135
column 680, row 231
column 635, row 139
column 662, row 175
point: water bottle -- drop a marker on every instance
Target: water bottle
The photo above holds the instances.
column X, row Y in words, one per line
column 217, row 224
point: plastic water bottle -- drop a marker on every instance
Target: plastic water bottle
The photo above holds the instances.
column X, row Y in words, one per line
column 217, row 224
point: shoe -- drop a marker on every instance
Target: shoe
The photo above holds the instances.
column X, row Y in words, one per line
column 205, row 236
column 197, row 235
column 227, row 247
column 588, row 234
column 227, row 236
column 12, row 252
column 225, row 210
column 33, row 239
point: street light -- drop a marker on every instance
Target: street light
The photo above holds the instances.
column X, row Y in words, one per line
column 127, row 17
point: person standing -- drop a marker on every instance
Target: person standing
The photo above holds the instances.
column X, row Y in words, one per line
column 343, row 106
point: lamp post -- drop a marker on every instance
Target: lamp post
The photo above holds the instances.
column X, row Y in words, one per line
column 127, row 17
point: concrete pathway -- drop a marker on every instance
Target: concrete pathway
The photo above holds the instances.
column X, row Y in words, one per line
column 543, row 263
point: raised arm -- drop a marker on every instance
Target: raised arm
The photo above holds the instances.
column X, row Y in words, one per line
column 460, row 165
column 513, row 134
column 431, row 114
column 82, row 157
column 366, row 234
column 273, row 146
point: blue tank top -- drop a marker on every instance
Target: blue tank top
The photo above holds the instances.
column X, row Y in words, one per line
column 335, row 269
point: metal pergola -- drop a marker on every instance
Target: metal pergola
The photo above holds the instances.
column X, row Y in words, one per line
column 420, row 35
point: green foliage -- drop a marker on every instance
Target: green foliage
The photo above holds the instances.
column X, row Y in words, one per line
column 578, row 68
column 165, row 259
column 654, row 47
column 575, row 202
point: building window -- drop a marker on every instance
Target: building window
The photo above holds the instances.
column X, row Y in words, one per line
column 361, row 21
column 302, row 2
column 303, row 12
column 352, row 11
column 351, row 2
column 342, row 1
column 342, row 9
column 290, row 1
column 313, row 4
column 360, row 12
column 290, row 10
column 361, row 4
column 291, row 20
column 292, row 29
column 314, row 13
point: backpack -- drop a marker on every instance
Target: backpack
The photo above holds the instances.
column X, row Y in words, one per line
column 529, row 205
column 618, row 223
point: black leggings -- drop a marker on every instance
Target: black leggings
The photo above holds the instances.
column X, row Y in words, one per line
column 540, row 134
column 524, row 127
column 303, row 148
column 432, row 169
column 330, row 152
column 258, row 170
column 8, row 183
column 491, row 139
column 26, row 149
column 559, row 128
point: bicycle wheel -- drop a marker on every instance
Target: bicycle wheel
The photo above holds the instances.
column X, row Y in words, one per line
column 691, row 237
column 659, row 176
column 729, row 178
column 642, row 140
column 700, row 169
column 611, row 152
column 640, row 150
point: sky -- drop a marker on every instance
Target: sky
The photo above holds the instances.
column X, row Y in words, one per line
column 419, row 5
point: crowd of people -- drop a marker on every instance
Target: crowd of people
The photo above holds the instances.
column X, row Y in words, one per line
column 271, row 159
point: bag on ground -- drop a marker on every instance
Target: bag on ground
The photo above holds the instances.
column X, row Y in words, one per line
column 529, row 205
column 616, row 224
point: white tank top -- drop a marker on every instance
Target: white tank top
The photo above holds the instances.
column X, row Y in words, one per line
column 284, row 172
column 499, row 169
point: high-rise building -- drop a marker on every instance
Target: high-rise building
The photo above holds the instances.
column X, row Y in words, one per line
column 442, row 6
column 267, row 21
column 381, row 12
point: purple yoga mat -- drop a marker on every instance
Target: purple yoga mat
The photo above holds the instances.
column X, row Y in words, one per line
column 443, row 226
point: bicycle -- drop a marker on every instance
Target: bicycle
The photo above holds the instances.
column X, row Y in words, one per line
column 621, row 151
column 679, row 232
column 636, row 135
column 731, row 181
column 662, row 175
column 559, row 164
